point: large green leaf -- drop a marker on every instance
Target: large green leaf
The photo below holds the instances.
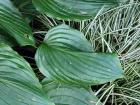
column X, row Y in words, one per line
column 66, row 56
column 72, row 9
column 62, row 94
column 18, row 83
column 12, row 22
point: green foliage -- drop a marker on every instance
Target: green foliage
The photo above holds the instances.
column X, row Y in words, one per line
column 26, row 8
column 65, row 55
column 13, row 23
column 18, row 83
column 73, row 9
column 118, row 30
column 63, row 94
column 7, row 39
column 71, row 63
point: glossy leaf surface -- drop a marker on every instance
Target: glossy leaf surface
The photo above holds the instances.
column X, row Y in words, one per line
column 62, row 94
column 13, row 23
column 66, row 56
column 18, row 83
column 73, row 9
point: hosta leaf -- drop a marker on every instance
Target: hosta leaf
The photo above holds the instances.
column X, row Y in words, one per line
column 72, row 9
column 66, row 38
column 12, row 22
column 62, row 94
column 66, row 56
column 7, row 39
column 18, row 83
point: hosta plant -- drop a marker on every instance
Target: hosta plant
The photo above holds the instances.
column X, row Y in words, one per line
column 65, row 58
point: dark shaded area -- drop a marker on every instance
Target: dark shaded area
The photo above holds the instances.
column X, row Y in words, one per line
column 36, row 24
column 96, row 87
column 26, row 8
column 28, row 52
column 5, row 37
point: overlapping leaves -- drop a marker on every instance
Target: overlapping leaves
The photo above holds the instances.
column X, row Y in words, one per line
column 18, row 83
column 13, row 23
column 66, row 56
column 63, row 94
column 26, row 8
